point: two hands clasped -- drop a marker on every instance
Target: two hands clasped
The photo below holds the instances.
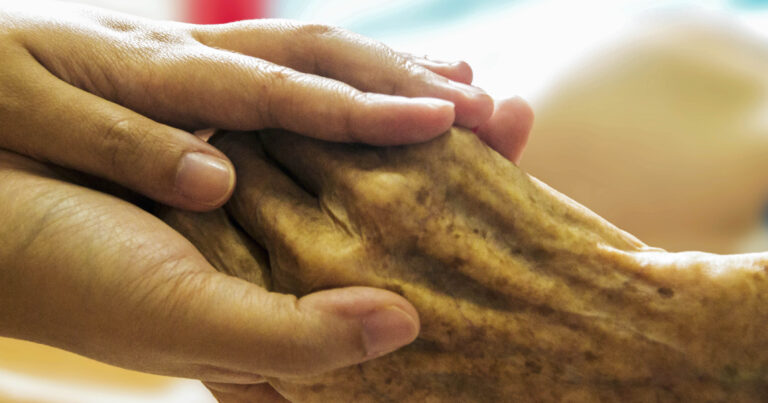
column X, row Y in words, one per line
column 86, row 93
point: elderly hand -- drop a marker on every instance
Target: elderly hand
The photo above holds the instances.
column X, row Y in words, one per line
column 271, row 197
column 104, row 93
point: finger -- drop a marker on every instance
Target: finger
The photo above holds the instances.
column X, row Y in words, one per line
column 256, row 393
column 508, row 129
column 270, row 206
column 312, row 165
column 249, row 93
column 456, row 71
column 341, row 55
column 81, row 131
column 320, row 166
column 247, row 330
column 267, row 203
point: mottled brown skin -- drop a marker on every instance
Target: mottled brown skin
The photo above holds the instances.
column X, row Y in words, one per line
column 523, row 294
column 224, row 245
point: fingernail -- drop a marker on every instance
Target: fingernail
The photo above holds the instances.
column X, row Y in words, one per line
column 387, row 329
column 435, row 102
column 429, row 60
column 204, row 178
column 397, row 100
column 468, row 90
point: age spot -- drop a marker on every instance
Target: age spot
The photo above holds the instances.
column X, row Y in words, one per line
column 666, row 292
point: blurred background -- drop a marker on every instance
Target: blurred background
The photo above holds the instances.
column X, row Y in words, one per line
column 654, row 114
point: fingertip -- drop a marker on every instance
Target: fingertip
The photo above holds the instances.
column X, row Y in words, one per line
column 204, row 181
column 387, row 329
column 461, row 72
column 387, row 320
column 394, row 120
column 521, row 116
column 508, row 128
column 357, row 301
column 436, row 119
column 523, row 111
column 476, row 109
column 485, row 107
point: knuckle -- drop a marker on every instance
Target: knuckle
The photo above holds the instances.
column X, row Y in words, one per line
column 307, row 357
column 278, row 96
column 217, row 35
column 149, row 43
column 290, row 348
column 167, row 285
column 165, row 37
column 412, row 70
column 304, row 261
column 401, row 72
column 382, row 190
column 347, row 122
column 144, row 32
column 160, row 274
column 313, row 30
column 243, row 26
column 119, row 145
column 400, row 62
column 115, row 22
column 279, row 75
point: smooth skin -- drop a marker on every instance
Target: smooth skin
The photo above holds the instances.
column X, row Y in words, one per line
column 84, row 90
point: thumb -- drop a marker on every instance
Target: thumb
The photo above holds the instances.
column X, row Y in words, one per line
column 231, row 329
column 261, row 332
column 508, row 128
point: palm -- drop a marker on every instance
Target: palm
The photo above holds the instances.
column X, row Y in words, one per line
column 85, row 251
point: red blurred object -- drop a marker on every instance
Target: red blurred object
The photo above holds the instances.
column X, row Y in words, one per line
column 223, row 11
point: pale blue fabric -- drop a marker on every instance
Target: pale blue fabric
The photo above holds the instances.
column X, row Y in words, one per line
column 750, row 3
column 424, row 13
column 398, row 18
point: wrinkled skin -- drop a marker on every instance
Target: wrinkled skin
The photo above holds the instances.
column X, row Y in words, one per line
column 523, row 294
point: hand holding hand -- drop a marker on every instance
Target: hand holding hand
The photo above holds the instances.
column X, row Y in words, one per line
column 103, row 93
column 97, row 276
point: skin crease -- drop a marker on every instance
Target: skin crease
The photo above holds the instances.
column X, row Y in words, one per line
column 101, row 93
